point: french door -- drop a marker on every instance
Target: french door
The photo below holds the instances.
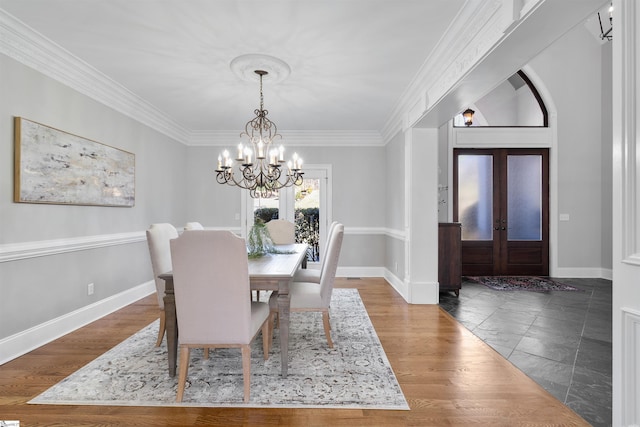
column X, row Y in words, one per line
column 501, row 198
column 307, row 205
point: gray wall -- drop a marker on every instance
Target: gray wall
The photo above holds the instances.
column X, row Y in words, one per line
column 42, row 288
column 572, row 72
column 395, row 205
column 607, row 158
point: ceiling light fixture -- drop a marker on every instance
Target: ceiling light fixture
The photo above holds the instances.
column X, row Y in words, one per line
column 606, row 35
column 259, row 163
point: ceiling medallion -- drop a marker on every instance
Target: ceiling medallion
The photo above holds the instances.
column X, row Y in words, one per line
column 244, row 66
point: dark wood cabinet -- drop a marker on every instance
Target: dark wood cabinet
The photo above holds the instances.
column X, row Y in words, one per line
column 449, row 255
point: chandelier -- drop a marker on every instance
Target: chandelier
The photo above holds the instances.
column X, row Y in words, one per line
column 259, row 165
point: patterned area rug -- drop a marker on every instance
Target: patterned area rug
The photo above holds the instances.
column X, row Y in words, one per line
column 521, row 283
column 354, row 374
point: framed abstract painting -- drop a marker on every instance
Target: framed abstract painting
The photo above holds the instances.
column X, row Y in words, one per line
column 53, row 166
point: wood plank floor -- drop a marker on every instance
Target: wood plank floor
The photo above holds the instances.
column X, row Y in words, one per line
column 449, row 377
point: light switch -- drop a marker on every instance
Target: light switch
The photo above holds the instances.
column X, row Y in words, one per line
column 564, row 217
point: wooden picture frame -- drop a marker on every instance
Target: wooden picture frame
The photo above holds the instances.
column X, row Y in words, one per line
column 56, row 167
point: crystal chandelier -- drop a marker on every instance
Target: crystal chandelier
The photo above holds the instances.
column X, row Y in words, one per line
column 260, row 165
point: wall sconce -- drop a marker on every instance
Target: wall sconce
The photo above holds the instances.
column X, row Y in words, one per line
column 468, row 117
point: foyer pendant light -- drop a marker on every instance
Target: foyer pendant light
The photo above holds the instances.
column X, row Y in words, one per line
column 468, row 116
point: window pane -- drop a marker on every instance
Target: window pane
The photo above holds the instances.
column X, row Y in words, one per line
column 307, row 214
column 266, row 209
column 475, row 196
column 524, row 207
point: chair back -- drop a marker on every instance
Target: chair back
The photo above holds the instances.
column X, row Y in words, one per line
column 282, row 232
column 330, row 266
column 211, row 285
column 158, row 237
column 332, row 227
column 193, row 226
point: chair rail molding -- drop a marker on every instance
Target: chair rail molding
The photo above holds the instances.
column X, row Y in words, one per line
column 17, row 251
column 389, row 232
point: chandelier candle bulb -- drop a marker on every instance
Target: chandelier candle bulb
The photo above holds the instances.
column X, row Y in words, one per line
column 240, row 150
column 219, row 162
column 260, row 149
column 281, row 149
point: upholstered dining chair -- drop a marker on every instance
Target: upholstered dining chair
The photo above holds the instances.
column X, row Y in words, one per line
column 308, row 296
column 193, row 226
column 282, row 232
column 158, row 237
column 211, row 282
column 313, row 275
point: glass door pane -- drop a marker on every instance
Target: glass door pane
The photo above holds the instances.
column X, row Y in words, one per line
column 475, row 196
column 307, row 216
column 266, row 209
column 524, row 200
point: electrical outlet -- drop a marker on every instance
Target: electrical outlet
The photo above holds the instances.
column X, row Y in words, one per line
column 90, row 289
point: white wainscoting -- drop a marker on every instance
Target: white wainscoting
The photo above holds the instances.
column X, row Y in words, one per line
column 631, row 366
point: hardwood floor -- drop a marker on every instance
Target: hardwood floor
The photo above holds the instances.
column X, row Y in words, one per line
column 448, row 375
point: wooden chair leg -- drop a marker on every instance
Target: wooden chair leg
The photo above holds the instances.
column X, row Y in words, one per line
column 206, row 353
column 182, row 376
column 163, row 327
column 246, row 371
column 327, row 327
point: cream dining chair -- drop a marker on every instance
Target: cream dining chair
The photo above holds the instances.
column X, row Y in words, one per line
column 282, row 232
column 158, row 237
column 308, row 296
column 313, row 275
column 211, row 282
column 193, row 226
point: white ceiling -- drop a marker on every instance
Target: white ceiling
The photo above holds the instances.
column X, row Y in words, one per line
column 351, row 60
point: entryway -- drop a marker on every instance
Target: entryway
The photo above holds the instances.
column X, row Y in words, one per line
column 501, row 198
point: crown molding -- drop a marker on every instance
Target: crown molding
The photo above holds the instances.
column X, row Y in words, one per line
column 27, row 46
column 311, row 138
column 477, row 28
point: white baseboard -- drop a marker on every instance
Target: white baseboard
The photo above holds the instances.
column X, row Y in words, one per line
column 399, row 285
column 23, row 342
column 360, row 272
column 416, row 292
column 424, row 293
column 601, row 273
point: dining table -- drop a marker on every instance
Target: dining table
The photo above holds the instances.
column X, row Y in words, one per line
column 271, row 272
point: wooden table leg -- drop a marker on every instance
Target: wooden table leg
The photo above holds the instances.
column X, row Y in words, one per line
column 172, row 325
column 283, row 317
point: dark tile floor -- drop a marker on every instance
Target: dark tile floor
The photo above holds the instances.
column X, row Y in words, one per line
column 560, row 339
